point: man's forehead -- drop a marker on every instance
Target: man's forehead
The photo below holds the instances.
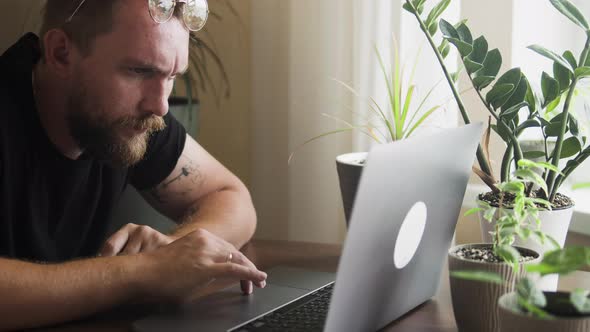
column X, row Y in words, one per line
column 138, row 36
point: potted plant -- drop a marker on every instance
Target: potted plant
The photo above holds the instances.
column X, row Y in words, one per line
column 514, row 106
column 516, row 216
column 529, row 308
column 399, row 120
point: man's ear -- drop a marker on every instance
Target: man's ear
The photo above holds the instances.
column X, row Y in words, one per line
column 58, row 51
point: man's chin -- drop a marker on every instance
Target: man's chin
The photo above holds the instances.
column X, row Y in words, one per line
column 125, row 153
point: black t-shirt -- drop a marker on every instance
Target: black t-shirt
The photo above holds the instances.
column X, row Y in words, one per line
column 53, row 208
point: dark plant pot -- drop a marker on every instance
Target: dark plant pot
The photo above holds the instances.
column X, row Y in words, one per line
column 349, row 167
column 567, row 319
column 475, row 303
column 186, row 113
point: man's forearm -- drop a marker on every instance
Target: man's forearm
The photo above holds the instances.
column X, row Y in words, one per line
column 34, row 295
column 228, row 214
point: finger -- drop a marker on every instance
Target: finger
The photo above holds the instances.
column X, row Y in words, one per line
column 236, row 271
column 241, row 259
column 115, row 243
column 246, row 286
column 133, row 245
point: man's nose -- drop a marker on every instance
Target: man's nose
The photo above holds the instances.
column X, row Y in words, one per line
column 155, row 98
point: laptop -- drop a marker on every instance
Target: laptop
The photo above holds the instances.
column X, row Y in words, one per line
column 406, row 207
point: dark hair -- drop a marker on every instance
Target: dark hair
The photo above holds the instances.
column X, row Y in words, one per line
column 93, row 19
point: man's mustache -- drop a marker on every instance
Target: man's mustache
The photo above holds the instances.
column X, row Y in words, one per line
column 150, row 124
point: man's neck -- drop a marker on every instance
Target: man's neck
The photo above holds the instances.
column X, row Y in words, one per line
column 51, row 106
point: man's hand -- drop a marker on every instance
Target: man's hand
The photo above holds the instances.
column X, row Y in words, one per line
column 133, row 239
column 177, row 270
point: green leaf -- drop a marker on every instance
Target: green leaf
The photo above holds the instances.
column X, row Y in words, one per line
column 509, row 254
column 471, row 66
column 463, row 47
column 419, row 5
column 530, row 123
column 519, row 94
column 574, row 127
column 542, row 165
column 464, row 33
column 478, row 276
column 408, row 8
column 570, row 11
column 498, row 91
column 582, row 72
column 448, row 29
column 533, row 154
column 528, row 291
column 554, row 129
column 491, row 64
column 562, row 261
column 553, row 105
column 472, row 211
column 529, row 175
column 532, row 100
column 562, row 75
column 571, row 59
column 513, row 76
column 551, row 55
column 514, row 109
column 480, row 50
column 571, row 146
column 481, row 82
column 580, row 300
column 436, row 12
column 550, row 88
column 444, row 48
column 432, row 28
column 455, row 76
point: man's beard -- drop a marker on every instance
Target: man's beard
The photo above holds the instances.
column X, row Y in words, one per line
column 103, row 138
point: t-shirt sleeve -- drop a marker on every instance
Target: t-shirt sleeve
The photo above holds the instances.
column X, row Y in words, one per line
column 163, row 151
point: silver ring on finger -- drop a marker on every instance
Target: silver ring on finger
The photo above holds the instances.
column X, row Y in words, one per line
column 230, row 256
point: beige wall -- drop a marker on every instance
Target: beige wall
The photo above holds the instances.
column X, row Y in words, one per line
column 225, row 130
column 17, row 17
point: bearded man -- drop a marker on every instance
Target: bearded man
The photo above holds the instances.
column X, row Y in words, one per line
column 85, row 114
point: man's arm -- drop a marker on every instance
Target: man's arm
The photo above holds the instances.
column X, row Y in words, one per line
column 39, row 294
column 33, row 295
column 202, row 193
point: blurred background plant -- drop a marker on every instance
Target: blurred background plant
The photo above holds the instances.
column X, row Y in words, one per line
column 402, row 116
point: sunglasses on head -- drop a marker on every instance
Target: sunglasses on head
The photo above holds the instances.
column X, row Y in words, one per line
column 194, row 12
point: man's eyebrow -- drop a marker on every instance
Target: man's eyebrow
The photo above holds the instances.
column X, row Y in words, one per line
column 149, row 66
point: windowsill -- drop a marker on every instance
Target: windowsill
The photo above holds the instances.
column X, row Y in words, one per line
column 580, row 220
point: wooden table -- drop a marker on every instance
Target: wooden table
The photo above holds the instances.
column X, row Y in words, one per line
column 434, row 315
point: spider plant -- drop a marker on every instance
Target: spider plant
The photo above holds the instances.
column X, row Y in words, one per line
column 400, row 119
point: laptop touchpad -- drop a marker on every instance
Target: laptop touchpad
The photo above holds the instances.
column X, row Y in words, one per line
column 221, row 311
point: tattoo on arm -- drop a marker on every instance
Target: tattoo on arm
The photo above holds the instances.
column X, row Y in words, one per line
column 190, row 170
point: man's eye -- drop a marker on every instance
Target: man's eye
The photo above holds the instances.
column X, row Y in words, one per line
column 141, row 71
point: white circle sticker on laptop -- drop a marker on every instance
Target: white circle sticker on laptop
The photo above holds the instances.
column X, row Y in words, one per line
column 410, row 235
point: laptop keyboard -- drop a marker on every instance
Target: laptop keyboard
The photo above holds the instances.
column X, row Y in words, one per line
column 309, row 313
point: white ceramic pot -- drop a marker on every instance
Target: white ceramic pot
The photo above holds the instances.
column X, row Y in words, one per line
column 349, row 167
column 554, row 223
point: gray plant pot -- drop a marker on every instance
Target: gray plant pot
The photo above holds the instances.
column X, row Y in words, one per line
column 475, row 303
column 349, row 167
column 513, row 320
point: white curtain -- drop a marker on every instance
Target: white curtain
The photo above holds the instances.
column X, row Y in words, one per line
column 299, row 47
